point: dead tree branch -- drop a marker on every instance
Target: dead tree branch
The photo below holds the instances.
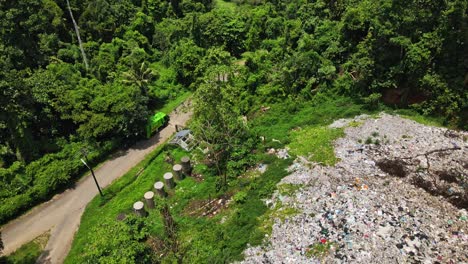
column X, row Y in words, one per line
column 426, row 154
column 85, row 60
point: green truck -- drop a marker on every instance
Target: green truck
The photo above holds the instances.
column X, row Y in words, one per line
column 156, row 122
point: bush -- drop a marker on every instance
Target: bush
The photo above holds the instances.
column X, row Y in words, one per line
column 372, row 101
column 240, row 197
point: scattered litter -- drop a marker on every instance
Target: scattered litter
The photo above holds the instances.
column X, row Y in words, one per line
column 283, row 154
column 280, row 153
column 262, row 168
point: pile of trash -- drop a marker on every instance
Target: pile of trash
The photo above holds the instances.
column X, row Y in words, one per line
column 366, row 209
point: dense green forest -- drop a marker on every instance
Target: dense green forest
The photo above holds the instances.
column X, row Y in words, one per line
column 58, row 98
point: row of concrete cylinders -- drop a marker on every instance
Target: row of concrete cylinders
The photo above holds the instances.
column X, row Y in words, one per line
column 179, row 171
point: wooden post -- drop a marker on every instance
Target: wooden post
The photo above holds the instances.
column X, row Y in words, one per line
column 177, row 169
column 159, row 188
column 186, row 166
column 169, row 179
column 149, row 197
column 139, row 208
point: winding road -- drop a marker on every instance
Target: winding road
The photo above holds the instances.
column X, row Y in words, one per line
column 62, row 214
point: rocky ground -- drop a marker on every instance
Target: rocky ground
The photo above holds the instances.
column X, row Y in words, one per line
column 398, row 195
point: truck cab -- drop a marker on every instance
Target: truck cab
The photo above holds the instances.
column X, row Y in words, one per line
column 155, row 123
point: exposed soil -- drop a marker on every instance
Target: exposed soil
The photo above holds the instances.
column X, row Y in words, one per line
column 207, row 208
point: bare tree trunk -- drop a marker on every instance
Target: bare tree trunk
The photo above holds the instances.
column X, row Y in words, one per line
column 169, row 223
column 170, row 227
column 85, row 60
column 1, row 243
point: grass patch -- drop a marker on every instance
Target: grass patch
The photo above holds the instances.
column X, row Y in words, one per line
column 281, row 118
column 319, row 250
column 289, row 189
column 278, row 212
column 421, row 119
column 355, row 123
column 28, row 253
column 316, row 143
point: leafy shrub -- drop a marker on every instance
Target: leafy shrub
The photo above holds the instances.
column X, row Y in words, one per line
column 372, row 101
column 240, row 197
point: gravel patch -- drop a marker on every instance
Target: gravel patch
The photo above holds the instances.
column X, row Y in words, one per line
column 400, row 198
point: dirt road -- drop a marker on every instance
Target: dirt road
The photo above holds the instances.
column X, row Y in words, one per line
column 62, row 214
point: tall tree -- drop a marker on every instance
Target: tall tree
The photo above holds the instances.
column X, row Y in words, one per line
column 140, row 77
column 17, row 113
column 217, row 120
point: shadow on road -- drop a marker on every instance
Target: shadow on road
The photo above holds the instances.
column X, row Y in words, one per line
column 144, row 144
column 44, row 258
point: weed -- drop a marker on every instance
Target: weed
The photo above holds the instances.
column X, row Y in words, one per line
column 355, row 123
column 375, row 134
column 278, row 212
column 240, row 197
column 420, row 169
column 368, row 140
column 319, row 250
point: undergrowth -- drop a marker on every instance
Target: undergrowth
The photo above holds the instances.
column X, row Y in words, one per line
column 278, row 122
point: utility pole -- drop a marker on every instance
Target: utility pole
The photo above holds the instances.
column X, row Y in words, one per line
column 85, row 162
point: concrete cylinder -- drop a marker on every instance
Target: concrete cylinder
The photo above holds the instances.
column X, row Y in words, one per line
column 169, row 179
column 177, row 169
column 139, row 209
column 186, row 166
column 159, row 188
column 149, row 198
